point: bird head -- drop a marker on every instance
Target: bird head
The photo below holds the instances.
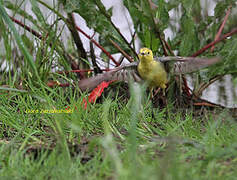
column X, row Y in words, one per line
column 145, row 54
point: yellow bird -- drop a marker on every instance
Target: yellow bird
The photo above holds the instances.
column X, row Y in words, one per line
column 149, row 69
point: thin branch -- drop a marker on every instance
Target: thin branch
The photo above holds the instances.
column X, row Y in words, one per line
column 186, row 88
column 81, row 70
column 93, row 59
column 98, row 45
column 103, row 11
column 72, row 27
column 80, row 49
column 234, row 31
column 35, row 33
column 205, row 85
column 205, row 104
column 222, row 27
column 56, row 83
column 79, row 29
column 168, row 47
column 122, row 51
column 157, row 31
column 131, row 43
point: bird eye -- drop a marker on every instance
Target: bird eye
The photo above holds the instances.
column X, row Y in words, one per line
column 148, row 52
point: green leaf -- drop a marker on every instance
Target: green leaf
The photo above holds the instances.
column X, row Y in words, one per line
column 162, row 15
column 147, row 40
column 12, row 89
column 155, row 43
column 29, row 44
column 14, row 8
column 189, row 42
column 220, row 9
column 38, row 13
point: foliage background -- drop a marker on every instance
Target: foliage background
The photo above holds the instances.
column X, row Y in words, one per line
column 114, row 139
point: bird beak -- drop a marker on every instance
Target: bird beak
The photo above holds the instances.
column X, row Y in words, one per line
column 142, row 53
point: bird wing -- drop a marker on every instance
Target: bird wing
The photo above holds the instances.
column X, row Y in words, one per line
column 122, row 73
column 177, row 65
column 183, row 65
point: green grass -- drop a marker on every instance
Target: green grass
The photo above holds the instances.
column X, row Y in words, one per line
column 112, row 140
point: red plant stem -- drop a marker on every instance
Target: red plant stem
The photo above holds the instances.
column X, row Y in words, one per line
column 82, row 70
column 234, row 31
column 81, row 31
column 64, row 85
column 222, row 27
column 186, row 88
column 204, row 104
column 26, row 27
column 98, row 45
column 121, row 51
column 56, row 83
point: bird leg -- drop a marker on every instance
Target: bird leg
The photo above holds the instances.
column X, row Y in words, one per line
column 151, row 93
column 162, row 101
column 157, row 91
